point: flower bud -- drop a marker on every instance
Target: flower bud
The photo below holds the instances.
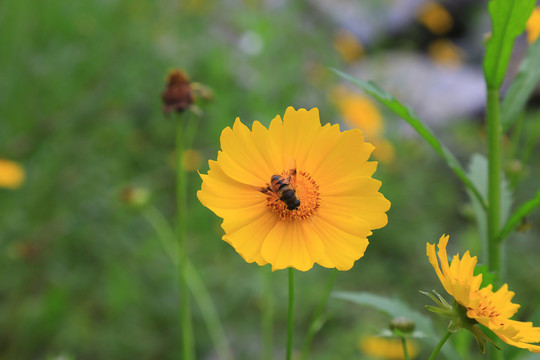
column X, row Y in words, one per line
column 402, row 324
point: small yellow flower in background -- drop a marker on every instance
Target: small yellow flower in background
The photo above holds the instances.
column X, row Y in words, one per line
column 444, row 52
column 533, row 26
column 387, row 348
column 11, row 174
column 360, row 112
column 330, row 175
column 482, row 305
column 191, row 159
column 348, row 45
column 435, row 17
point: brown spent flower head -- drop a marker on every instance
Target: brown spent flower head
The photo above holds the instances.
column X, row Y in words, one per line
column 178, row 95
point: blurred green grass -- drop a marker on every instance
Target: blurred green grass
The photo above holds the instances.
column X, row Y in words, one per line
column 84, row 275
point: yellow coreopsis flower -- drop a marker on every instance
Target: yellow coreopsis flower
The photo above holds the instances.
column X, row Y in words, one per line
column 387, row 348
column 533, row 26
column 11, row 174
column 333, row 206
column 482, row 305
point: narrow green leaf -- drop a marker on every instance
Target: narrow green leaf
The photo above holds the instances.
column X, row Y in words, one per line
column 517, row 217
column 508, row 20
column 395, row 308
column 409, row 116
column 194, row 281
column 478, row 170
column 522, row 87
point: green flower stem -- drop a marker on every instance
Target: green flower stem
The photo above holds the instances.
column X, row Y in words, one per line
column 291, row 314
column 188, row 343
column 316, row 321
column 439, row 346
column 404, row 344
column 194, row 282
column 267, row 324
column 494, row 131
column 189, row 130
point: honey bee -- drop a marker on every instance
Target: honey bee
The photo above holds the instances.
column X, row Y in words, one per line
column 284, row 187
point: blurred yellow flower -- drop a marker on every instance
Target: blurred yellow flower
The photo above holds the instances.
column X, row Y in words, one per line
column 491, row 309
column 444, row 52
column 384, row 150
column 328, row 171
column 387, row 348
column 348, row 45
column 533, row 26
column 360, row 112
column 191, row 159
column 435, row 17
column 11, row 174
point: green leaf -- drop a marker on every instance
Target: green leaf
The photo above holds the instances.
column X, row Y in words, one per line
column 508, row 20
column 487, row 276
column 395, row 308
column 409, row 116
column 522, row 87
column 478, row 170
column 516, row 218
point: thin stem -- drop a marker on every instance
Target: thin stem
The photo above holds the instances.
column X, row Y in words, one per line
column 188, row 344
column 494, row 130
column 316, row 321
column 404, row 344
column 439, row 346
column 190, row 129
column 291, row 314
column 267, row 325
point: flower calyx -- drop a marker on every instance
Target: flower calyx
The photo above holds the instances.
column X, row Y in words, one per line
column 458, row 319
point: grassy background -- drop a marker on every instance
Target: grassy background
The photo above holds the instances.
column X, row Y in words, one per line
column 84, row 276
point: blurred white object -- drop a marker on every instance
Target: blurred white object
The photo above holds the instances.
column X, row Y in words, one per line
column 436, row 92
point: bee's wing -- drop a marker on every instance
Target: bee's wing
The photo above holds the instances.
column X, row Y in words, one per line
column 264, row 190
column 291, row 173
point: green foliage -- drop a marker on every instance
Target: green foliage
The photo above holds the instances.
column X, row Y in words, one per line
column 407, row 114
column 487, row 276
column 522, row 87
column 508, row 19
column 396, row 308
column 517, row 217
column 478, row 173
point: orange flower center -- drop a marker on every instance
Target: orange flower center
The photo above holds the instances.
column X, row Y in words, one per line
column 485, row 308
column 306, row 190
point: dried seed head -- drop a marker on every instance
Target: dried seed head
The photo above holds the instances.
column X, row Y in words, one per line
column 177, row 96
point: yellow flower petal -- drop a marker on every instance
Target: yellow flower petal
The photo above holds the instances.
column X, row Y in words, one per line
column 533, row 26
column 288, row 246
column 247, row 240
